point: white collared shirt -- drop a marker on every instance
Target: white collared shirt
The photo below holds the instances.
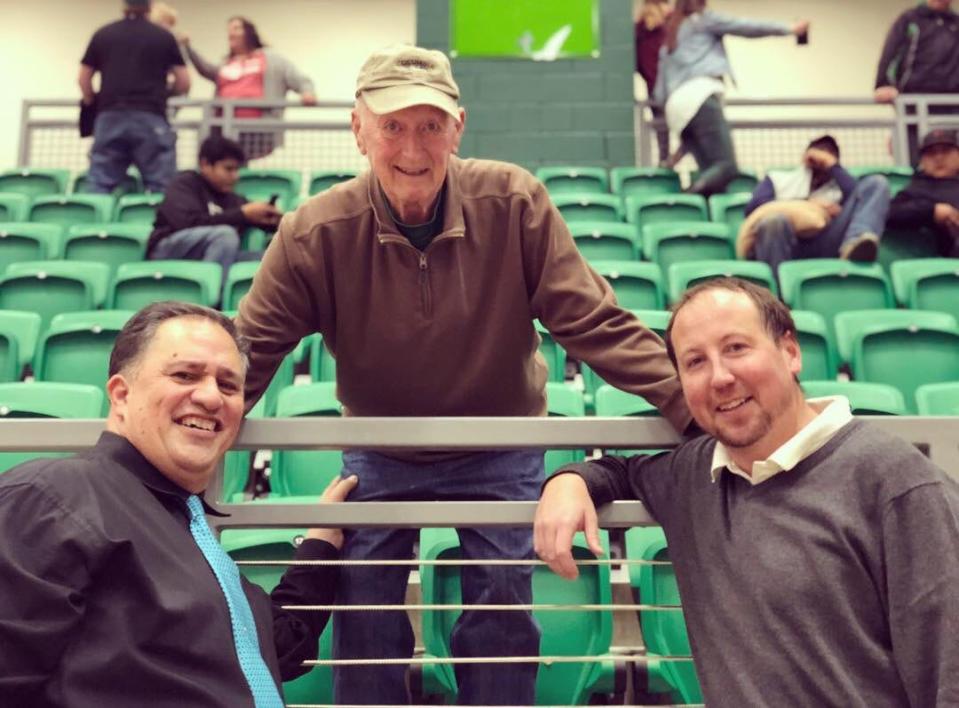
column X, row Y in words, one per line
column 833, row 414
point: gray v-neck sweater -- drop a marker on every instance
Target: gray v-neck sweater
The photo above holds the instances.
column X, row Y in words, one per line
column 833, row 584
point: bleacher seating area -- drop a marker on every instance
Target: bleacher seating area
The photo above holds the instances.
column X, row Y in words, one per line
column 72, row 271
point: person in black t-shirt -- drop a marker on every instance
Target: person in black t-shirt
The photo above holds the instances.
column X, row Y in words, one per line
column 134, row 58
column 201, row 217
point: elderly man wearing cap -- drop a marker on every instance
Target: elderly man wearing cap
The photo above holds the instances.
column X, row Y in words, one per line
column 131, row 125
column 424, row 276
column 931, row 199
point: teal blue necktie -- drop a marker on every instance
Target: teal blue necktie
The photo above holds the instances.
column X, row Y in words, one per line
column 265, row 694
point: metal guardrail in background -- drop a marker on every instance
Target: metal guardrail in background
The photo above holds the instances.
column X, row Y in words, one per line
column 773, row 132
column 937, row 437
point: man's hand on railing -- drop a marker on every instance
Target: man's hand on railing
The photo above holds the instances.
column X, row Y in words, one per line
column 261, row 213
column 565, row 507
column 336, row 491
column 886, row 94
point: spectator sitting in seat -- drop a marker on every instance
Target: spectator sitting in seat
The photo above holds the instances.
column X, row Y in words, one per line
column 815, row 211
column 201, row 217
column 817, row 556
column 931, row 199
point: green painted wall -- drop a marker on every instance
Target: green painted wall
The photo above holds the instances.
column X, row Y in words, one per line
column 570, row 111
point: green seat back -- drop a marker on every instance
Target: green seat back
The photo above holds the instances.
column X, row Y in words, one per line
column 638, row 285
column 552, row 352
column 927, row 284
column 606, row 240
column 938, row 399
column 589, row 207
column 667, row 244
column 686, row 274
column 46, row 400
column 52, row 287
column 130, row 184
column 729, row 209
column 260, row 185
column 563, row 400
column 237, row 463
column 646, row 209
column 574, row 180
column 34, row 182
column 21, row 242
column 138, row 208
column 10, row 368
column 324, row 179
column 298, row 472
column 113, row 244
column 138, row 284
column 611, row 402
column 864, row 398
column 903, row 244
column 13, row 207
column 316, row 686
column 322, row 363
column 819, row 358
column 664, row 631
column 656, row 320
column 571, row 633
column 238, row 282
column 67, row 210
column 23, row 330
column 633, row 181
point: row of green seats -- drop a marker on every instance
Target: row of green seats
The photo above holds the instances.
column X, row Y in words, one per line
column 70, row 209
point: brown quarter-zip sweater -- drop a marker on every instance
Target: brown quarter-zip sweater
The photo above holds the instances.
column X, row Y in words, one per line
column 449, row 331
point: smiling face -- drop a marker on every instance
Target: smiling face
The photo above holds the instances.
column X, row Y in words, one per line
column 181, row 402
column 739, row 383
column 409, row 153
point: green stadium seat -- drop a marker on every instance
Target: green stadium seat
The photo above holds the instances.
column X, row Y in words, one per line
column 138, row 284
column 21, row 242
column 664, row 631
column 113, row 244
column 260, row 185
column 819, row 358
column 53, row 287
column 238, row 282
column 322, row 180
column 647, row 209
column 606, row 240
column 574, row 180
column 282, row 378
column 656, row 320
column 589, row 207
column 632, row 181
column 237, row 463
column 927, row 284
column 729, row 209
column 34, row 182
column 613, row 403
column 13, row 207
column 316, row 686
column 638, row 285
column 570, row 633
column 744, row 182
column 67, row 210
column 938, row 399
column 23, row 330
column 564, row 401
column 667, row 244
column 830, row 285
column 46, row 400
column 130, row 184
column 684, row 275
column 905, row 244
column 322, row 363
column 76, row 347
column 902, row 348
column 898, row 177
column 552, row 352
column 299, row 472
column 137, row 208
column 864, row 398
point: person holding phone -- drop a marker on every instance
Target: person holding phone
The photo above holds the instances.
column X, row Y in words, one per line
column 201, row 217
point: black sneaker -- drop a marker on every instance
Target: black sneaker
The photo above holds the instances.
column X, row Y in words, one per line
column 863, row 249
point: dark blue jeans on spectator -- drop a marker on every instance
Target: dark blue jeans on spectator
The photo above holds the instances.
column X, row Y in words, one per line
column 864, row 212
column 708, row 138
column 122, row 138
column 511, row 476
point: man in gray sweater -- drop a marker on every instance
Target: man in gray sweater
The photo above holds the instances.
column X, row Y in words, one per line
column 817, row 557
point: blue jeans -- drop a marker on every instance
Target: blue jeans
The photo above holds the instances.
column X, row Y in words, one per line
column 516, row 476
column 708, row 137
column 864, row 212
column 125, row 137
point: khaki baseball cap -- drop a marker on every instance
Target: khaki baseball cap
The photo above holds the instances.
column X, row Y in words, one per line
column 402, row 76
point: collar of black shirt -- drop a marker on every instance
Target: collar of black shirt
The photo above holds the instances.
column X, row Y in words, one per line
column 120, row 450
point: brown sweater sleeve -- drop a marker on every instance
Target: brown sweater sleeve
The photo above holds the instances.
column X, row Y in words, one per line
column 579, row 309
column 276, row 313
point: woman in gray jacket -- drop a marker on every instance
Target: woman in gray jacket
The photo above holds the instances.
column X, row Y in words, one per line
column 692, row 66
column 252, row 70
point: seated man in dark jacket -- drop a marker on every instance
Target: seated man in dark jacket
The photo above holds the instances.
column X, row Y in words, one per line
column 932, row 197
column 201, row 217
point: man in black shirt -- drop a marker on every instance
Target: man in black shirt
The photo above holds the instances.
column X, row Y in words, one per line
column 134, row 58
column 107, row 595
column 931, row 199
